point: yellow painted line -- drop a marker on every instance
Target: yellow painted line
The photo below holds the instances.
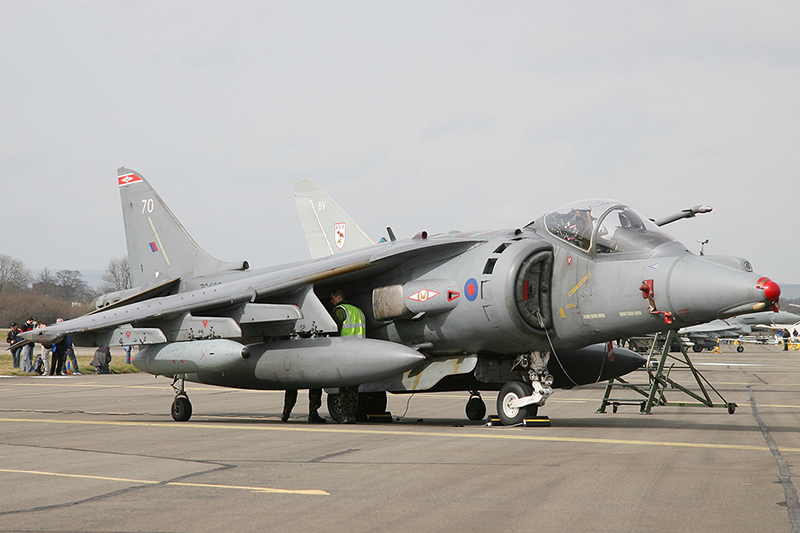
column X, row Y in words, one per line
column 578, row 286
column 79, row 476
column 198, row 389
column 492, row 434
column 310, row 492
column 266, row 490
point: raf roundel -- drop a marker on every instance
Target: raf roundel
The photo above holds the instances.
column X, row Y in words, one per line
column 471, row 289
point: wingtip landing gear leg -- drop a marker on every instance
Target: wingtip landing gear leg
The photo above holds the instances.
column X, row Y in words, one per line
column 476, row 408
column 181, row 406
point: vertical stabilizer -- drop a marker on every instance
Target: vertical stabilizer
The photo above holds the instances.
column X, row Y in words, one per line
column 159, row 248
column 328, row 228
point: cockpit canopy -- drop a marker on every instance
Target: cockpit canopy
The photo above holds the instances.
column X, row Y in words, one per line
column 603, row 226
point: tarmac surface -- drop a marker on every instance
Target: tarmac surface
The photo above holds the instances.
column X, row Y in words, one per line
column 101, row 453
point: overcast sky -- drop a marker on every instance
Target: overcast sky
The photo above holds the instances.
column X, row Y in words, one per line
column 416, row 115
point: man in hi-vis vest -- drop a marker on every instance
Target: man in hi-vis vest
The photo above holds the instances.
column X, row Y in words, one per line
column 352, row 323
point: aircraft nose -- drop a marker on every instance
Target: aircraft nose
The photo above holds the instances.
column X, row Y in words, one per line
column 772, row 291
column 702, row 289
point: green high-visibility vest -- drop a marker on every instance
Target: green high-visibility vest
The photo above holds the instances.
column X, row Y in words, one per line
column 355, row 323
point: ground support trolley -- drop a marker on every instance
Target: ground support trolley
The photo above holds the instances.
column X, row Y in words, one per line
column 659, row 368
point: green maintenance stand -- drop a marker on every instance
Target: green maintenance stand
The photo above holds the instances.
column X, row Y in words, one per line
column 659, row 381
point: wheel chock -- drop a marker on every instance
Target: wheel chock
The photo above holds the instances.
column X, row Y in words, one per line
column 380, row 418
column 533, row 422
column 537, row 422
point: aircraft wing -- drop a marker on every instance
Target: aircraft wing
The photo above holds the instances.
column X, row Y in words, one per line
column 774, row 327
column 265, row 289
column 715, row 326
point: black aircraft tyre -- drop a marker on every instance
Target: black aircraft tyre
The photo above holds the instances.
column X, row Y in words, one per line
column 181, row 409
column 740, row 349
column 513, row 390
column 369, row 403
column 335, row 407
column 476, row 409
column 697, row 348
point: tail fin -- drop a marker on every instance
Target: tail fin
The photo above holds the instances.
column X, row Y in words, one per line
column 328, row 228
column 159, row 248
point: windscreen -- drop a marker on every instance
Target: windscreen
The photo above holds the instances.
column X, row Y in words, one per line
column 604, row 226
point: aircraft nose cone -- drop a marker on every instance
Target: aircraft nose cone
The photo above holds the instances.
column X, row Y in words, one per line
column 702, row 289
column 772, row 290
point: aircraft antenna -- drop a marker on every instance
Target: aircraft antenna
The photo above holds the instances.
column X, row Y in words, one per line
column 702, row 246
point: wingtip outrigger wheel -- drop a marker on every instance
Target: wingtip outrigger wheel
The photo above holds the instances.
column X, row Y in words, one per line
column 181, row 406
column 476, row 408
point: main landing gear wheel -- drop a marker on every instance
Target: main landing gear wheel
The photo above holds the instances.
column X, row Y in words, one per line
column 511, row 392
column 697, row 348
column 181, row 409
column 740, row 349
column 335, row 406
column 476, row 408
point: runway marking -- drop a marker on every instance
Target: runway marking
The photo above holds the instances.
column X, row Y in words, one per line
column 496, row 433
column 199, row 389
column 729, row 364
column 264, row 490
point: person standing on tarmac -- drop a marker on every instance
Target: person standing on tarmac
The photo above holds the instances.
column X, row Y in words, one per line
column 314, row 403
column 59, row 355
column 27, row 350
column 13, row 338
column 70, row 353
column 352, row 323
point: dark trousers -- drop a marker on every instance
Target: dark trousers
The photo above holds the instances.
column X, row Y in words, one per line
column 349, row 398
column 57, row 364
column 314, row 400
column 73, row 359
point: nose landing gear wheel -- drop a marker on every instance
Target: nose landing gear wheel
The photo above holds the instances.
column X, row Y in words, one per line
column 511, row 392
column 181, row 409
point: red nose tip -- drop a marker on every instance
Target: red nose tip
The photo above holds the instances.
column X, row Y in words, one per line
column 772, row 291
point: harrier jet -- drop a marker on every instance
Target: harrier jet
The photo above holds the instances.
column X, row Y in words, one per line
column 521, row 310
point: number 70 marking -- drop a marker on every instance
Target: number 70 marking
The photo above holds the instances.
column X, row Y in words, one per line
column 147, row 205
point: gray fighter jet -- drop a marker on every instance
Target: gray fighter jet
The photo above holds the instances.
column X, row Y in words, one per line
column 706, row 336
column 521, row 310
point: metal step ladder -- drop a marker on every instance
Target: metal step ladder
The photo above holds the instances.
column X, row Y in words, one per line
column 659, row 380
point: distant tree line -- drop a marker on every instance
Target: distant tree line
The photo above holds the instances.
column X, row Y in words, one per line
column 50, row 295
